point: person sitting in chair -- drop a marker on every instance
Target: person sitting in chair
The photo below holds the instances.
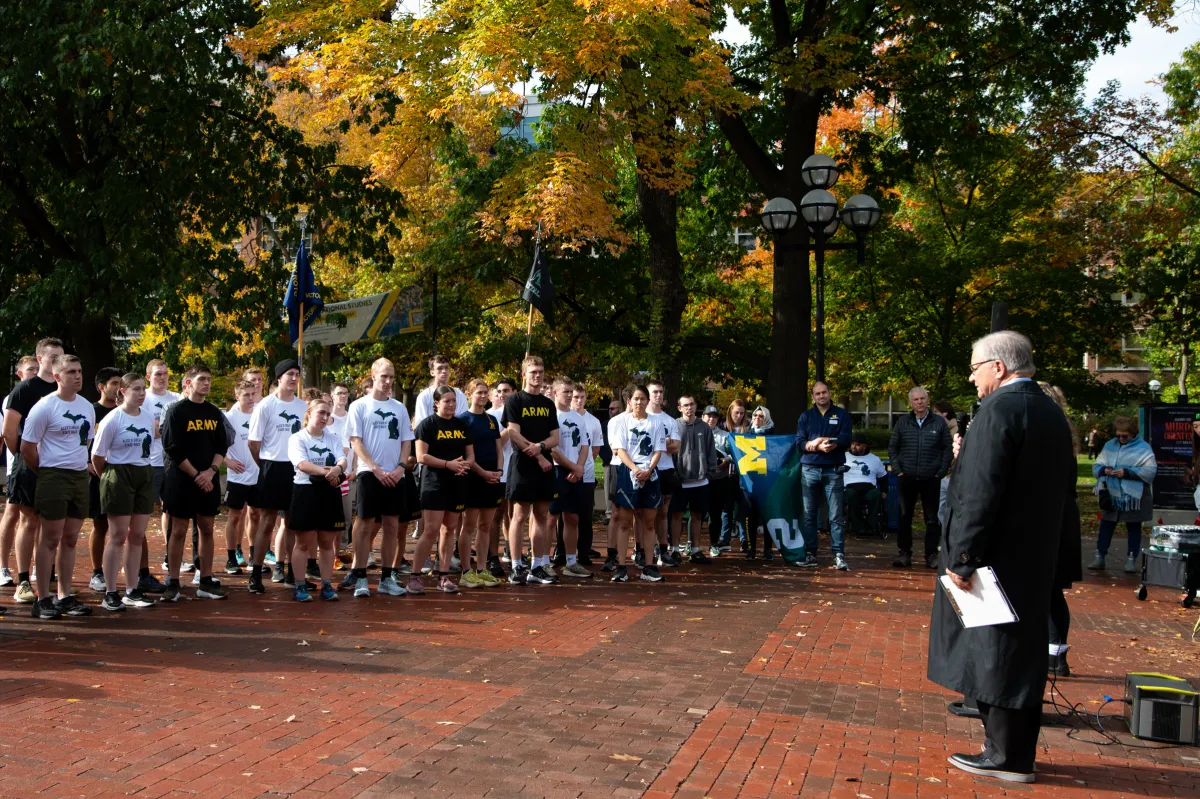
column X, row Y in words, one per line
column 866, row 482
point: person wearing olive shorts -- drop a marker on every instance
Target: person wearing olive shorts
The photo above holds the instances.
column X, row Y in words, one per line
column 121, row 456
column 445, row 447
column 108, row 384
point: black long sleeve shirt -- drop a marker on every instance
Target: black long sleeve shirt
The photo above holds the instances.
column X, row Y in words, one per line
column 193, row 431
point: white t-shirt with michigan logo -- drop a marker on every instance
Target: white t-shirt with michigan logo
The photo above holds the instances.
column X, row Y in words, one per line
column 273, row 422
column 61, row 431
column 123, row 439
column 670, row 433
column 383, row 425
column 863, row 469
column 322, row 450
column 240, row 448
column 572, row 435
column 641, row 438
column 155, row 405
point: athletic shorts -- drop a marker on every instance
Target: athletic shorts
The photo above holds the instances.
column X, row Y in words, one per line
column 610, row 482
column 533, row 486
column 183, row 499
column 375, row 500
column 482, row 494
column 61, row 494
column 668, row 483
column 274, row 490
column 572, row 497
column 126, row 490
column 21, row 484
column 239, row 495
column 95, row 512
column 442, row 490
column 646, row 495
column 691, row 499
column 160, row 474
column 316, row 506
column 412, row 496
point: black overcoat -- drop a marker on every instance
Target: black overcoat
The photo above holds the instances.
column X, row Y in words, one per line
column 1004, row 510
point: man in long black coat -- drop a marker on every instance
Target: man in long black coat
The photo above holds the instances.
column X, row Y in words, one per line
column 1004, row 511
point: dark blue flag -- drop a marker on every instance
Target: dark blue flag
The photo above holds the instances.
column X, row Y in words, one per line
column 302, row 287
column 539, row 288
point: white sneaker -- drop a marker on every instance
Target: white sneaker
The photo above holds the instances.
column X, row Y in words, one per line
column 166, row 568
column 187, row 566
column 371, row 561
column 455, row 564
column 361, row 588
column 839, row 562
column 6, row 578
column 1131, row 564
column 195, row 576
column 97, row 583
column 1097, row 563
column 390, row 587
column 428, row 567
column 714, row 552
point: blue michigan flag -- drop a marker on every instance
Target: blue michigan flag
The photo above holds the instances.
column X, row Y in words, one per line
column 768, row 469
column 302, row 287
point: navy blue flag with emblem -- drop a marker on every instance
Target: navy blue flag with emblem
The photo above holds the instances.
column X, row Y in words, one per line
column 302, row 287
column 769, row 470
column 539, row 288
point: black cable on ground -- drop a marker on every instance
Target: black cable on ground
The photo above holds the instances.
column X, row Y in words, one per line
column 1093, row 721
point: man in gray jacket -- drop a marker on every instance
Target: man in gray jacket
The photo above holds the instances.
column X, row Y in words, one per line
column 695, row 464
column 920, row 454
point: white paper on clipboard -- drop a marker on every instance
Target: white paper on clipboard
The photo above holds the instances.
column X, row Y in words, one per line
column 985, row 605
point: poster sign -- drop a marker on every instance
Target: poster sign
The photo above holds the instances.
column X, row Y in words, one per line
column 377, row 316
column 1169, row 430
column 769, row 470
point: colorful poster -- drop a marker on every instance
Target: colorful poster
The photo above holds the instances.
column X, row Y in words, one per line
column 377, row 316
column 769, row 470
column 1168, row 428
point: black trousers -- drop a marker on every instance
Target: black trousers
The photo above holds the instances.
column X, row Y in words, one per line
column 1060, row 617
column 720, row 493
column 1011, row 736
column 928, row 489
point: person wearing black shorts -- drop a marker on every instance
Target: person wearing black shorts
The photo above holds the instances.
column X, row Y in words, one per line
column 315, row 515
column 445, row 449
column 667, row 480
column 502, row 389
column 570, row 456
column 638, row 442
column 108, row 384
column 484, row 491
column 194, row 446
column 27, row 367
column 22, row 482
column 241, row 475
column 695, row 464
column 273, row 421
column 532, row 423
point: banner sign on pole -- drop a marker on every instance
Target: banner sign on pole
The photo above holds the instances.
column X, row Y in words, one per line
column 768, row 468
column 377, row 316
column 1169, row 432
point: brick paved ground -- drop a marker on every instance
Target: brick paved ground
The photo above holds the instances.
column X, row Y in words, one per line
column 742, row 679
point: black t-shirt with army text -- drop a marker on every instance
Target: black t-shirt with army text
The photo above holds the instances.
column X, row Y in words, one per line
column 538, row 417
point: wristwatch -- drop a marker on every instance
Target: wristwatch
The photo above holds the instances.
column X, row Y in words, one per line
column 542, row 444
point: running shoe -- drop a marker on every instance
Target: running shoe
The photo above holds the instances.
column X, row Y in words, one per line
column 6, row 578
column 541, row 576
column 839, row 562
column 329, row 593
column 232, row 566
column 620, row 575
column 361, row 588
column 255, row 586
column 714, row 552
column 72, row 607
column 725, row 548
column 447, row 585
column 170, row 593
column 575, row 570
column 45, row 609
column 278, row 575
column 302, row 594
column 415, row 586
column 700, row 558
column 348, row 581
column 371, row 560
column 470, row 579
column 187, row 566
column 97, row 583
column 137, row 599
column 455, row 564
column 610, row 564
column 391, row 587
column 270, row 559
column 313, row 573
column 210, row 589
column 404, row 568
column 494, row 568
column 487, row 579
column 24, row 593
column 112, row 601
column 195, row 577
column 519, row 576
column 809, row 562
column 651, row 575
column 549, row 567
column 239, row 557
column 428, row 567
column 165, row 567
column 558, row 559
column 639, row 558
column 150, row 585
column 584, row 560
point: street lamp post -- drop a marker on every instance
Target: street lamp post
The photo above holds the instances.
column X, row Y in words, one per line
column 819, row 210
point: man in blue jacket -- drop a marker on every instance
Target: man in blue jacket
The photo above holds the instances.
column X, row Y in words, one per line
column 823, row 434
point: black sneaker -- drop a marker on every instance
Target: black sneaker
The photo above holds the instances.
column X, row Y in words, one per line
column 232, row 567
column 348, row 581
column 583, row 560
column 309, row 586
column 313, row 573
column 559, row 559
column 931, row 561
column 45, row 609
column 902, row 561
column 809, row 562
column 136, row 599
column 519, row 576
column 621, row 575
column 210, row 589
column 278, row 575
column 494, row 568
column 255, row 586
column 541, row 576
column 150, row 585
column 639, row 558
column 610, row 564
column 591, row 553
column 170, row 593
column 750, row 554
column 651, row 575
column 767, row 555
column 700, row 558
column 112, row 601
column 72, row 607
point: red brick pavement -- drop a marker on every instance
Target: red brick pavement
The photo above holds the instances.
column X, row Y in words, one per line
column 741, row 679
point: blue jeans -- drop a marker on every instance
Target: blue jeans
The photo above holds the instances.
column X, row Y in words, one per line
column 1105, row 535
column 733, row 515
column 823, row 482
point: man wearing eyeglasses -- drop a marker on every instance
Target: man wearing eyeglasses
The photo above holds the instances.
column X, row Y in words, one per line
column 1015, row 470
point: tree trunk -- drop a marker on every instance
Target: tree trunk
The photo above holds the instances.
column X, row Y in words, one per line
column 668, row 297
column 91, row 339
column 791, row 332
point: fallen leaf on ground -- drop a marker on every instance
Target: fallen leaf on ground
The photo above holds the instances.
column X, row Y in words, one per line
column 359, row 769
column 256, row 707
column 289, row 718
column 322, row 632
column 630, row 758
column 302, row 643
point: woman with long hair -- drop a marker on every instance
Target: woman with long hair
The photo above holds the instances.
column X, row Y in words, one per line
column 446, row 449
column 484, row 492
column 736, row 510
column 761, row 424
column 316, row 515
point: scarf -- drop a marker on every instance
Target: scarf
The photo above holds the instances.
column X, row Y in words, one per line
column 1137, row 459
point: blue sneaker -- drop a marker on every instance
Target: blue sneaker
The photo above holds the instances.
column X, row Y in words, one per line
column 302, row 594
column 241, row 559
column 269, row 560
column 328, row 593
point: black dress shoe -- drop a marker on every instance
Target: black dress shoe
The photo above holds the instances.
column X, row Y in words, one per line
column 963, row 710
column 1058, row 667
column 981, row 766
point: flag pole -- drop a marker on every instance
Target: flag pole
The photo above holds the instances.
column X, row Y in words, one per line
column 300, row 346
column 529, row 331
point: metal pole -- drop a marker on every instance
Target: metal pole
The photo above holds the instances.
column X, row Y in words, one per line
column 529, row 331
column 300, row 345
column 820, row 252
